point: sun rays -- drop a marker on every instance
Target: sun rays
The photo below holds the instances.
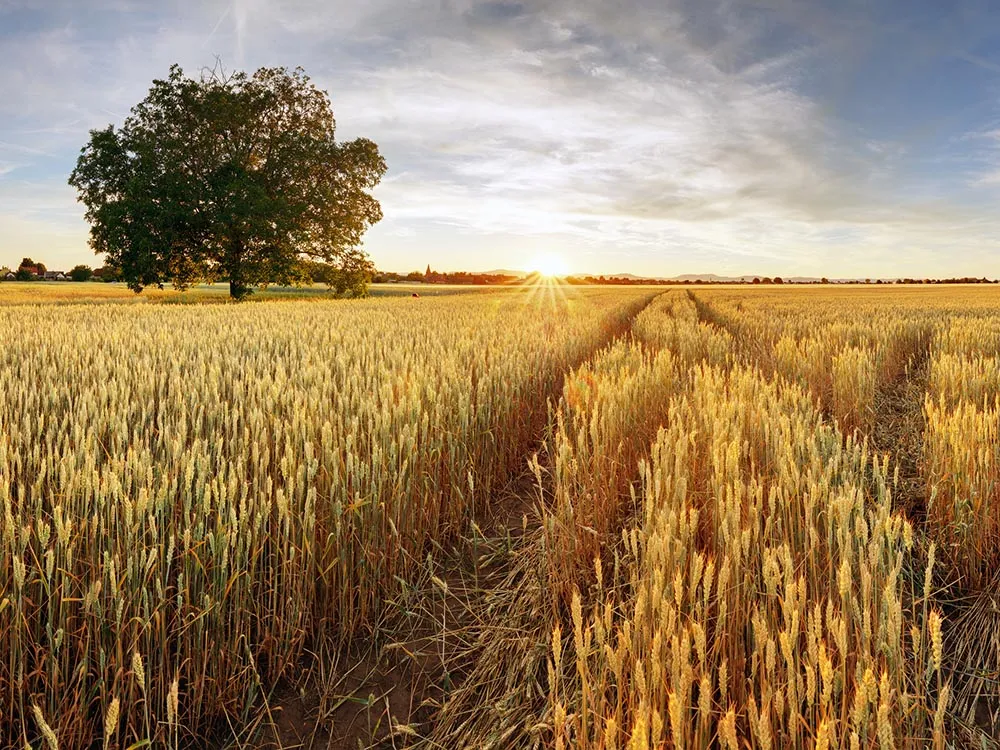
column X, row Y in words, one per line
column 550, row 265
column 548, row 290
column 546, row 284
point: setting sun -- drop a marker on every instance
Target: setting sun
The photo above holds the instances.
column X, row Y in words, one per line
column 549, row 265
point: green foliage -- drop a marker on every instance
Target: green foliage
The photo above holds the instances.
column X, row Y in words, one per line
column 107, row 273
column 233, row 178
column 81, row 273
column 349, row 277
column 352, row 277
column 28, row 270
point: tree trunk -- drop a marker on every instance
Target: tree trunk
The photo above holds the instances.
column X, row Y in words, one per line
column 238, row 288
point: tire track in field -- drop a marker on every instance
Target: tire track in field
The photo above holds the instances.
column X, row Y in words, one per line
column 507, row 627
column 509, row 706
column 971, row 619
column 393, row 695
column 972, row 624
column 898, row 431
column 500, row 590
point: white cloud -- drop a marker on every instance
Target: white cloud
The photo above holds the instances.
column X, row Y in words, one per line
column 659, row 149
column 656, row 137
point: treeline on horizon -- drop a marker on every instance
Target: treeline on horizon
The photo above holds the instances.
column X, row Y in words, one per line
column 351, row 278
column 348, row 278
column 622, row 280
column 466, row 277
column 30, row 270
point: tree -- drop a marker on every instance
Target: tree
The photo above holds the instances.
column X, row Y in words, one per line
column 107, row 273
column 81, row 273
column 231, row 177
column 349, row 278
column 29, row 270
column 353, row 275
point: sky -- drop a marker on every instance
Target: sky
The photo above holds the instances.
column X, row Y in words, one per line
column 657, row 137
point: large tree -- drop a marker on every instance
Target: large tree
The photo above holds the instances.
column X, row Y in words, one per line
column 231, row 177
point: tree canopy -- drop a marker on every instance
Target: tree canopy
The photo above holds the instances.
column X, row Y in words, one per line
column 232, row 177
column 29, row 270
column 81, row 273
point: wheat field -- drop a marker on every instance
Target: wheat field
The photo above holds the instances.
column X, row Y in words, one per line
column 745, row 518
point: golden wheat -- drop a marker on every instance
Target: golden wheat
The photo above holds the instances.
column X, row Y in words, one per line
column 192, row 496
column 760, row 593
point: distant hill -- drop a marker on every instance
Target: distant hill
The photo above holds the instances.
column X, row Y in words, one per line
column 506, row 272
column 710, row 277
column 750, row 277
column 626, row 276
column 529, row 277
column 682, row 277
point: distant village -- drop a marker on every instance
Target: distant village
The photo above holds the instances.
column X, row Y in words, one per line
column 29, row 270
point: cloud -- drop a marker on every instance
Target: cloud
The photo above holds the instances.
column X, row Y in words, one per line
column 677, row 134
column 571, row 123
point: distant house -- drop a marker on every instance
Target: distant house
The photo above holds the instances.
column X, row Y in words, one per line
column 10, row 276
column 55, row 276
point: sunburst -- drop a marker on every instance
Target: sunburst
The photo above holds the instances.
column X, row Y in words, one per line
column 549, row 264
